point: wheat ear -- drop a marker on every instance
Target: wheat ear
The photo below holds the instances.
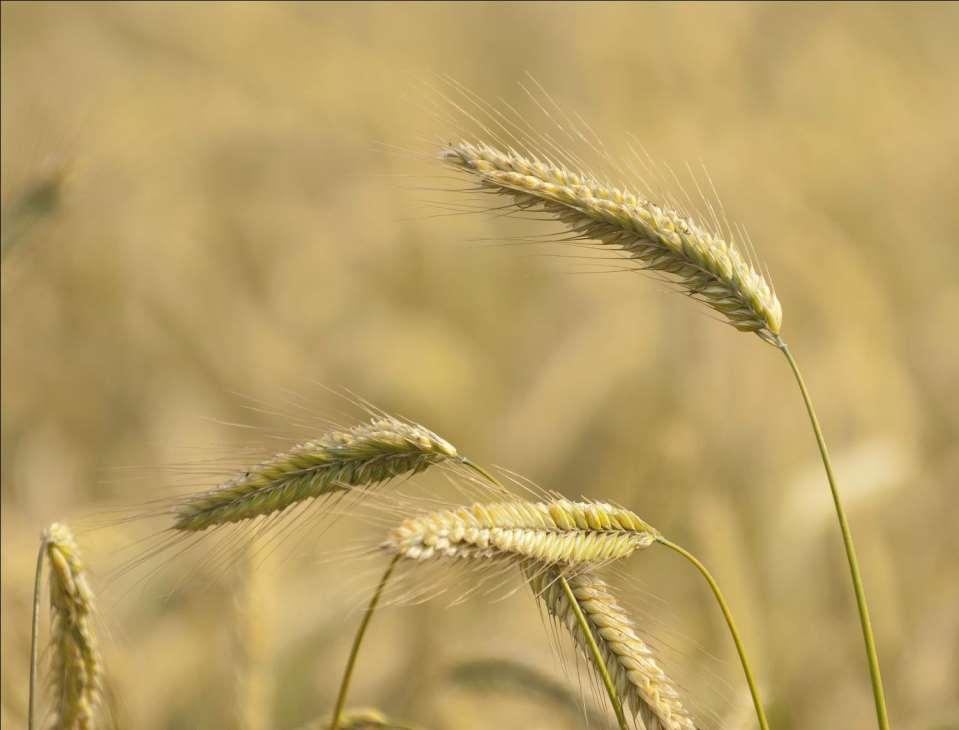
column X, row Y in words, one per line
column 76, row 666
column 559, row 532
column 535, row 534
column 639, row 680
column 550, row 532
column 365, row 455
column 703, row 263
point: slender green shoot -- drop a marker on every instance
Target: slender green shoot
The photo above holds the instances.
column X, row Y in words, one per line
column 598, row 659
column 734, row 632
column 872, row 653
column 355, row 650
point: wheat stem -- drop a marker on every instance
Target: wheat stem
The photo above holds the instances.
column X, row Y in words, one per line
column 734, row 632
column 358, row 639
column 871, row 653
column 35, row 634
column 599, row 660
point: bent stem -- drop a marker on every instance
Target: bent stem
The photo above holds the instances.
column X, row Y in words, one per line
column 734, row 632
column 867, row 634
column 598, row 659
column 355, row 650
column 34, row 635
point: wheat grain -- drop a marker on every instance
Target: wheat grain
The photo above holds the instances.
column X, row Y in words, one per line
column 76, row 664
column 365, row 455
column 555, row 531
column 641, row 684
column 703, row 263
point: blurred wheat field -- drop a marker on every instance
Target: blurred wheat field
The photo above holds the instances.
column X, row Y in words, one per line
column 202, row 207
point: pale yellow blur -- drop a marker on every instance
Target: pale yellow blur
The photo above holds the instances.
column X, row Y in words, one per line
column 205, row 200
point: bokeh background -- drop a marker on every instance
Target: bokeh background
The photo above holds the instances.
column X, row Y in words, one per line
column 201, row 201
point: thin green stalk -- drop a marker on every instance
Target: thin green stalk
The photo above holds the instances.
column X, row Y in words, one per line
column 355, row 650
column 598, row 658
column 34, row 635
column 867, row 634
column 734, row 632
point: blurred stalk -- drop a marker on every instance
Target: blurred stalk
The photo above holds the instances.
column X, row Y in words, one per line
column 867, row 634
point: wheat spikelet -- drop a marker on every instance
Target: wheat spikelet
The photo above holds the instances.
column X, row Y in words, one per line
column 367, row 454
column 641, row 684
column 705, row 265
column 76, row 664
column 555, row 531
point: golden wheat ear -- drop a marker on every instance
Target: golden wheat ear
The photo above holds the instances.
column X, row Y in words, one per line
column 368, row 454
column 76, row 669
column 550, row 532
column 642, row 686
column 705, row 265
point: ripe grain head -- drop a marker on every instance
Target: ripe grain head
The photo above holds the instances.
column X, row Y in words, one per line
column 703, row 263
column 641, row 684
column 368, row 454
column 554, row 531
column 76, row 666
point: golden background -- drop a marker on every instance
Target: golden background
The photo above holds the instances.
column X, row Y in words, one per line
column 201, row 201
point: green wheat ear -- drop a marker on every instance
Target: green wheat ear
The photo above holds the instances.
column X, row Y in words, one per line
column 371, row 453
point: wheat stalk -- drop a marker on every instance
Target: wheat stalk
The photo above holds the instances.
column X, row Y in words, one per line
column 550, row 532
column 705, row 265
column 76, row 667
column 365, row 455
column 640, row 682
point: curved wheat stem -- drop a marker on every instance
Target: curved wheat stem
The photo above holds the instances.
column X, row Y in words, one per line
column 593, row 650
column 706, row 266
column 76, row 666
column 639, row 680
column 872, row 653
column 731, row 625
column 367, row 454
column 550, row 532
column 337, row 718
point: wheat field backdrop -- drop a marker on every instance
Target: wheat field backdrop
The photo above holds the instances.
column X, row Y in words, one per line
column 208, row 206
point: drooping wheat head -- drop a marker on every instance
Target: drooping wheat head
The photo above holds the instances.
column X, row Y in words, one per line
column 76, row 667
column 365, row 455
column 551, row 532
column 641, row 684
column 704, row 264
